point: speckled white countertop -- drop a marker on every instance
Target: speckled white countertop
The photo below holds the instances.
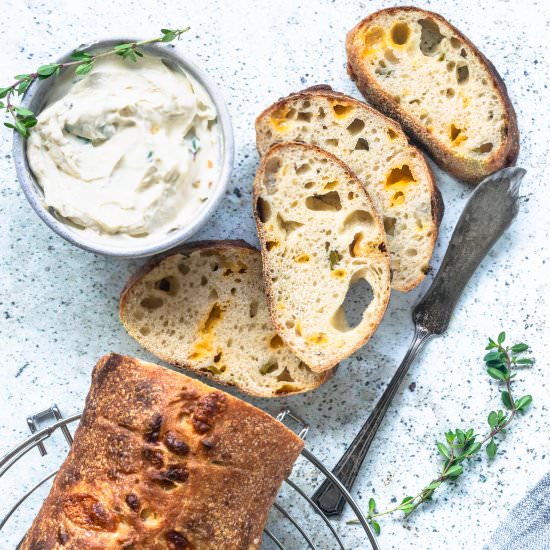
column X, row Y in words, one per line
column 59, row 304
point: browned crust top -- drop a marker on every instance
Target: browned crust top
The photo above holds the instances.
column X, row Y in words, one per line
column 162, row 461
column 326, row 91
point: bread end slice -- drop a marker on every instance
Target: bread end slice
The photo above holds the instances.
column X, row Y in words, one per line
column 203, row 308
column 320, row 237
column 417, row 68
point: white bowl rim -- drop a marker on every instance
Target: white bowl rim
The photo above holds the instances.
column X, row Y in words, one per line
column 30, row 186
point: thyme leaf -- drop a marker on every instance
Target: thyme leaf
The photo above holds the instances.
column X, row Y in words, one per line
column 23, row 119
column 334, row 258
column 195, row 146
column 461, row 445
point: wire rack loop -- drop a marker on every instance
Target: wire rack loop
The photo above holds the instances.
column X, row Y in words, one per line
column 334, row 541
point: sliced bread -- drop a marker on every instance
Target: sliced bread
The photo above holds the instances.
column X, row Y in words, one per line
column 320, row 236
column 395, row 175
column 416, row 67
column 203, row 308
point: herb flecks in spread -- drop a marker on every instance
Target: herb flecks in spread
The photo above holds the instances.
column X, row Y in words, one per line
column 461, row 445
column 83, row 62
column 128, row 149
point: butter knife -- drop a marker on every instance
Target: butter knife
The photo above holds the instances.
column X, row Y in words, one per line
column 488, row 213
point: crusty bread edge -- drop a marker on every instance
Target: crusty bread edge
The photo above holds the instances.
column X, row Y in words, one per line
column 436, row 199
column 468, row 171
column 326, row 91
column 261, row 233
column 111, row 460
column 188, row 248
column 183, row 248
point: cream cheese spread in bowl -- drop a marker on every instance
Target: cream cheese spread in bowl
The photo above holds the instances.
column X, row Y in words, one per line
column 129, row 156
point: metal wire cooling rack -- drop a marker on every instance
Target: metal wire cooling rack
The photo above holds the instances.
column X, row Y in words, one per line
column 301, row 536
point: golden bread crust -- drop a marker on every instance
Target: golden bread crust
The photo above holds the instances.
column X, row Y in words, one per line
column 162, row 461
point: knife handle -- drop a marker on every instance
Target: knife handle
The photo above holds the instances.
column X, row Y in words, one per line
column 328, row 496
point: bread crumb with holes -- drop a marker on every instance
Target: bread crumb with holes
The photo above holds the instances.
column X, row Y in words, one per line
column 395, row 175
column 324, row 224
column 416, row 67
column 203, row 308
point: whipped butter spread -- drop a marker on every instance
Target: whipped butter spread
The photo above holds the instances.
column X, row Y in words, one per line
column 129, row 150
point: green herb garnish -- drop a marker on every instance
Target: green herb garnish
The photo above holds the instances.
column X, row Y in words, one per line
column 268, row 368
column 195, row 146
column 24, row 119
column 216, row 370
column 461, row 445
column 334, row 258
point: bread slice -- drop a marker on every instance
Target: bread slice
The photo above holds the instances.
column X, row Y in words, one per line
column 416, row 67
column 395, row 175
column 203, row 308
column 320, row 235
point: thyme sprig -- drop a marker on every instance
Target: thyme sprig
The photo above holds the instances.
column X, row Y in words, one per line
column 24, row 119
column 461, row 445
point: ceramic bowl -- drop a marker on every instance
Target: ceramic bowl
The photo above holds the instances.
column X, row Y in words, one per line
column 35, row 99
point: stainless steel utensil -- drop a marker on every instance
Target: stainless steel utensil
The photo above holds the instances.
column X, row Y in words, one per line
column 487, row 214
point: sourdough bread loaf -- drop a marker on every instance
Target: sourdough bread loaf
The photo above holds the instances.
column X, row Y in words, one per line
column 164, row 462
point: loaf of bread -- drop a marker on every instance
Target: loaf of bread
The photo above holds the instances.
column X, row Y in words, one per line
column 203, row 308
column 163, row 462
column 321, row 237
column 416, row 67
column 394, row 173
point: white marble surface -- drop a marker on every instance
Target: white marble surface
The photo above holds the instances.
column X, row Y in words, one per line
column 59, row 304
